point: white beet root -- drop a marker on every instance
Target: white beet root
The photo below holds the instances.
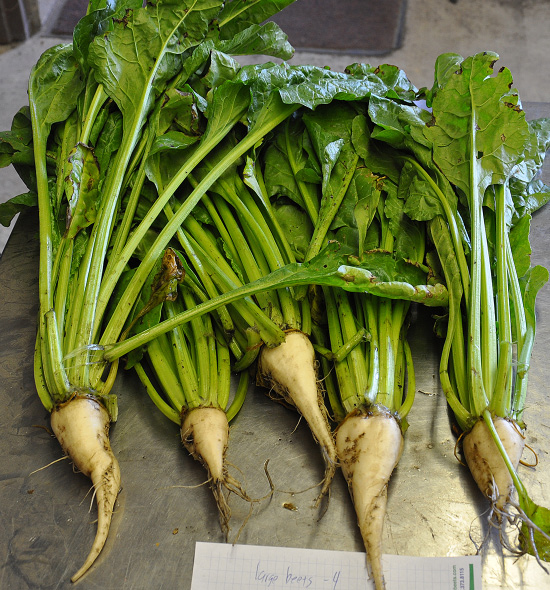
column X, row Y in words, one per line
column 369, row 445
column 82, row 428
column 289, row 370
column 485, row 462
column 205, row 434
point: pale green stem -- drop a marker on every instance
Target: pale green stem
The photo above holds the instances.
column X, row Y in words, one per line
column 502, row 395
column 475, row 324
column 156, row 398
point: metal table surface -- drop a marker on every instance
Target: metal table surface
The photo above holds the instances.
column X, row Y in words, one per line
column 46, row 524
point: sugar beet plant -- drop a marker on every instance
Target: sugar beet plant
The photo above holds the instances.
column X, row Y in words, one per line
column 471, row 164
column 82, row 147
column 366, row 364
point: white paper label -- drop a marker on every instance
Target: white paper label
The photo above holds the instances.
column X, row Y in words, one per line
column 220, row 566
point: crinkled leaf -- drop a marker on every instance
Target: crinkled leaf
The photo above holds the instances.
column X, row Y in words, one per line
column 97, row 22
column 377, row 273
column 222, row 67
column 401, row 125
column 421, row 203
column 16, row 144
column 540, row 516
column 536, row 146
column 161, row 286
column 179, row 111
column 364, row 213
column 99, row 122
column 446, row 64
column 531, row 283
column 173, row 140
column 360, row 201
column 230, row 98
column 228, row 102
column 290, row 166
column 278, row 176
column 541, row 128
column 234, row 264
column 306, row 85
column 409, row 242
column 520, row 246
column 398, row 84
column 329, row 128
column 323, row 86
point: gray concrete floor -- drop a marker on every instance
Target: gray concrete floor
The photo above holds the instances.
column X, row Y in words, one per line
column 517, row 30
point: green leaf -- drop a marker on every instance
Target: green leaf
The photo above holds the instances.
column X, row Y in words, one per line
column 296, row 226
column 266, row 39
column 10, row 208
column 520, row 246
column 239, row 14
column 143, row 50
column 398, row 84
column 477, row 122
column 54, row 85
column 108, row 141
column 81, row 187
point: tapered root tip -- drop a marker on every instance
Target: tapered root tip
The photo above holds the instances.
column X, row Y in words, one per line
column 331, row 464
column 107, row 487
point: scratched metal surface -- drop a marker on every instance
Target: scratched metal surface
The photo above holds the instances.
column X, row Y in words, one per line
column 46, row 525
